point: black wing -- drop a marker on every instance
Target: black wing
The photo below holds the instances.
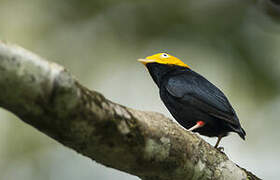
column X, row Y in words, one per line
column 196, row 91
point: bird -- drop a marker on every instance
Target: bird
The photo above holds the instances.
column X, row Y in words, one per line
column 194, row 102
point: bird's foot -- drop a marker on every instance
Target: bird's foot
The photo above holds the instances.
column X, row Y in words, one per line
column 221, row 149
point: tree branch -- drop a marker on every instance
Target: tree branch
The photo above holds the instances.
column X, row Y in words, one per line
column 146, row 144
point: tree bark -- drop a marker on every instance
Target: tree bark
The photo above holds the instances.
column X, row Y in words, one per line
column 146, row 144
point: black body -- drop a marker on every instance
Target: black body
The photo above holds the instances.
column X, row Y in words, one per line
column 191, row 98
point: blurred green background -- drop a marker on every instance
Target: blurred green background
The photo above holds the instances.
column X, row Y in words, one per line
column 233, row 43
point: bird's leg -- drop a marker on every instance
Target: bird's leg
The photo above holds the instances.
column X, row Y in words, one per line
column 198, row 125
column 218, row 141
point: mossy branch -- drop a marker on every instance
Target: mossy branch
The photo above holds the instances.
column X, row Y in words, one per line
column 146, row 144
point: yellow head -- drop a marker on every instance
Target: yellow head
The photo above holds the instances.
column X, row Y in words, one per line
column 163, row 58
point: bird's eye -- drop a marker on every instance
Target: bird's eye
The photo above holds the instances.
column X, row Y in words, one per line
column 164, row 55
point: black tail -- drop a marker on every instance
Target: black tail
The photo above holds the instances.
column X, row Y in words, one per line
column 239, row 130
column 241, row 133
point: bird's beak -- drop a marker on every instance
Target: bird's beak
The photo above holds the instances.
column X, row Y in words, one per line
column 146, row 61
